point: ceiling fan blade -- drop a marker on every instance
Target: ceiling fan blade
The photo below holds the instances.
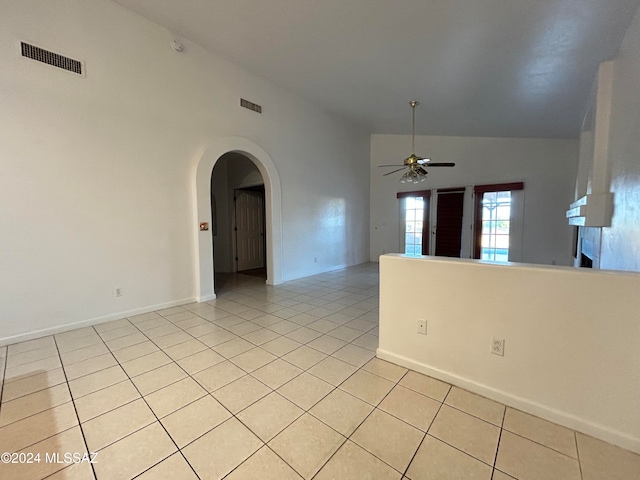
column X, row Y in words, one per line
column 422, row 170
column 396, row 165
column 394, row 171
column 441, row 164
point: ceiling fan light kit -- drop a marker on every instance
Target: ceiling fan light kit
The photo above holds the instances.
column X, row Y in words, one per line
column 415, row 164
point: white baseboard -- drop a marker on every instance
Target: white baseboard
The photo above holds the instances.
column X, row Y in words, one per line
column 206, row 298
column 23, row 337
column 529, row 406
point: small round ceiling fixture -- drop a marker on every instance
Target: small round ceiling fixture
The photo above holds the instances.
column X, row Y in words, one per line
column 177, row 46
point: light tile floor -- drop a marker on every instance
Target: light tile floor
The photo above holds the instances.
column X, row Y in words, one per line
column 267, row 383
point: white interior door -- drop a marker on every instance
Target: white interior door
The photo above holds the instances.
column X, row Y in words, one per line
column 249, row 229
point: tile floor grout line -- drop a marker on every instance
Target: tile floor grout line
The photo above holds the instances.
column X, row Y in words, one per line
column 4, row 373
column 404, row 474
column 324, row 464
column 348, row 437
column 210, row 393
column 84, row 439
column 24, row 364
column 575, row 439
column 308, row 411
column 177, row 452
column 50, row 436
column 495, row 457
column 234, row 415
column 460, row 450
column 142, row 397
column 458, row 409
column 542, row 444
column 406, row 470
column 245, row 460
column 266, row 444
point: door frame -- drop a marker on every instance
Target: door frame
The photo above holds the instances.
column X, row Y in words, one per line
column 201, row 189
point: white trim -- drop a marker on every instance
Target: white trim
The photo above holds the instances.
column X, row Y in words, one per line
column 556, row 416
column 23, row 337
column 202, row 209
column 206, row 298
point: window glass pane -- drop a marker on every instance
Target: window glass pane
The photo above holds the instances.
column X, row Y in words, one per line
column 502, row 227
column 410, row 215
column 414, row 214
column 502, row 241
column 502, row 255
column 504, row 212
column 489, row 197
column 408, row 238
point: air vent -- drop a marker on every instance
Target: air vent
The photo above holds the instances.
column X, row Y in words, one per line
column 250, row 105
column 50, row 58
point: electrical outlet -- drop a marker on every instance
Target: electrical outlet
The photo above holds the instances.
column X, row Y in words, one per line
column 117, row 292
column 422, row 326
column 497, row 346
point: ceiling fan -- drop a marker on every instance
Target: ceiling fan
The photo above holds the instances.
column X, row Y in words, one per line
column 415, row 164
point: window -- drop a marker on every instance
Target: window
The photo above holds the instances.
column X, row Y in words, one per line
column 493, row 227
column 415, row 222
column 496, row 212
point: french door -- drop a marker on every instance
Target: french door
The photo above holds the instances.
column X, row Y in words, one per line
column 483, row 222
column 415, row 211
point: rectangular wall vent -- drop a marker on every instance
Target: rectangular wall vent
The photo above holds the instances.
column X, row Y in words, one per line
column 250, row 105
column 50, row 58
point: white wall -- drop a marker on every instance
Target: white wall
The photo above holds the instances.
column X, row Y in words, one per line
column 547, row 167
column 571, row 337
column 97, row 173
column 621, row 241
column 222, row 237
column 242, row 171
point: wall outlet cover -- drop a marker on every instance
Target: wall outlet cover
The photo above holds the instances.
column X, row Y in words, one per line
column 422, row 326
column 497, row 346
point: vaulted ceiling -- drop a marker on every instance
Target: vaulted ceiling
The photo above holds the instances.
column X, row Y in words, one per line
column 515, row 68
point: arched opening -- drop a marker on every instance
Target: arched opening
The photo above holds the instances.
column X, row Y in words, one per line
column 237, row 219
column 225, row 149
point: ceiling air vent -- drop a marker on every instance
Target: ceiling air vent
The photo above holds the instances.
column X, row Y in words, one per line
column 45, row 56
column 250, row 105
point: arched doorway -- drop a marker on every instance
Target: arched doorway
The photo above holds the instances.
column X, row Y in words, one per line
column 237, row 219
column 273, row 215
